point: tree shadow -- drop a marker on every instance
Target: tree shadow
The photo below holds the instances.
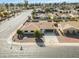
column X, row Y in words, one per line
column 40, row 42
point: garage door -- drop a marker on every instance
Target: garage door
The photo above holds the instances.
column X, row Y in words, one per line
column 48, row 30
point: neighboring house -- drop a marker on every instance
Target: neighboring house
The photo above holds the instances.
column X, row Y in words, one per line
column 39, row 10
column 68, row 28
column 74, row 12
column 51, row 15
column 63, row 16
column 64, row 11
column 74, row 15
column 41, row 16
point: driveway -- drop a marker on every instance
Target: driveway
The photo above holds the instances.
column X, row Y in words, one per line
column 50, row 38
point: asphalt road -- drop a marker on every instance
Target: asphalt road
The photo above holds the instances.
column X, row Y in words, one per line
column 41, row 52
column 8, row 27
column 8, row 50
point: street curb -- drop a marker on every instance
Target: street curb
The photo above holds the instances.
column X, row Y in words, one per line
column 15, row 43
column 49, row 45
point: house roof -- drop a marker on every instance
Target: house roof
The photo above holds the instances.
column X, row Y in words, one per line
column 41, row 15
column 69, row 26
column 46, row 25
column 37, row 25
column 30, row 26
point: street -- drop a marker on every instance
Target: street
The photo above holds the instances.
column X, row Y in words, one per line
column 41, row 52
column 9, row 26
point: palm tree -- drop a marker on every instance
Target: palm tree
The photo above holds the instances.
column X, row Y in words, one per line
column 38, row 34
column 20, row 34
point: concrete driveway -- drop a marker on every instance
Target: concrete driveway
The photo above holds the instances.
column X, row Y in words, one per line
column 50, row 38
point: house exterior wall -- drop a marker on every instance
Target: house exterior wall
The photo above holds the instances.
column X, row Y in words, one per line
column 42, row 30
column 70, row 30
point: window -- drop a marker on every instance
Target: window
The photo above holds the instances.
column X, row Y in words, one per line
column 26, row 31
column 32, row 31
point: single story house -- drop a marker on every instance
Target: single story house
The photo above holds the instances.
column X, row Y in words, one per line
column 40, row 16
column 63, row 16
column 43, row 26
column 68, row 28
column 64, row 11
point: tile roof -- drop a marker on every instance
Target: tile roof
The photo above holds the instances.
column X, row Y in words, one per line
column 37, row 25
column 70, row 24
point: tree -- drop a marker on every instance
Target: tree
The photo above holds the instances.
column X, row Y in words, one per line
column 38, row 34
column 26, row 3
column 7, row 6
column 11, row 4
column 33, row 13
column 19, row 5
column 56, row 25
column 29, row 17
column 1, row 15
column 47, row 10
column 20, row 34
column 20, row 37
column 6, row 14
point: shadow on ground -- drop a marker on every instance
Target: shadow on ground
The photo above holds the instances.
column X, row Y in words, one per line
column 40, row 42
